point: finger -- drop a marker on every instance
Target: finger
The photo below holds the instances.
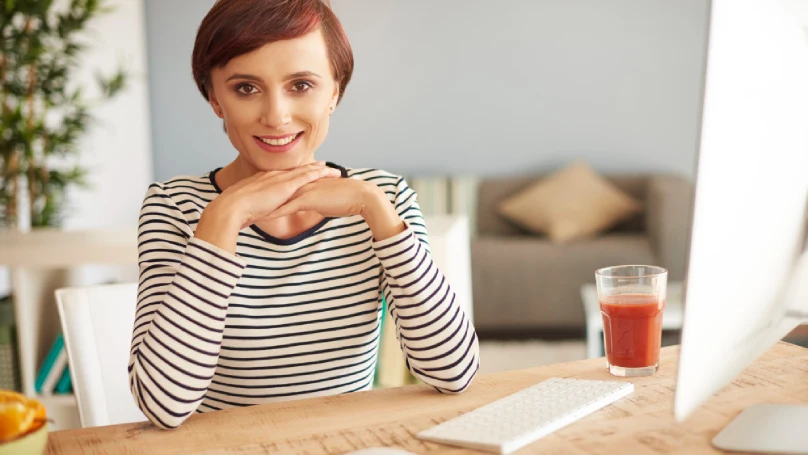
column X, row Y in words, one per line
column 316, row 164
column 285, row 176
column 311, row 186
column 303, row 167
column 285, row 190
column 246, row 181
column 285, row 173
column 267, row 175
column 294, row 205
column 324, row 170
column 294, row 184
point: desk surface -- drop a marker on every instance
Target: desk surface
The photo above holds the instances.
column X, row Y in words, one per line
column 640, row 423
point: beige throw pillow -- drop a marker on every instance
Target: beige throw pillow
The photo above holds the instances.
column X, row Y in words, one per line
column 571, row 204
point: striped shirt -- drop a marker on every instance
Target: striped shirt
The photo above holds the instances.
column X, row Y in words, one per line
column 284, row 319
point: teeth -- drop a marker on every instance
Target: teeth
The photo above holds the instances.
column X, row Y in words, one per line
column 283, row 141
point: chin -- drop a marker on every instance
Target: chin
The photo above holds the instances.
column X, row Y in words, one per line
column 280, row 163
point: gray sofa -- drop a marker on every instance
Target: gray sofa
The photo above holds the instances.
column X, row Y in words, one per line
column 524, row 285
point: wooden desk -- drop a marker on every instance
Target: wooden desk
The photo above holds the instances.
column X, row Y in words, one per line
column 640, row 423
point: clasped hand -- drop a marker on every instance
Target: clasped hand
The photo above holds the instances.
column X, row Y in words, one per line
column 313, row 187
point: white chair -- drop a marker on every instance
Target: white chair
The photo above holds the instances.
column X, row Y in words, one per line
column 450, row 244
column 97, row 326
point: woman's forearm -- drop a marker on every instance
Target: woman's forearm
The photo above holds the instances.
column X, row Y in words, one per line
column 185, row 284
column 219, row 226
column 381, row 215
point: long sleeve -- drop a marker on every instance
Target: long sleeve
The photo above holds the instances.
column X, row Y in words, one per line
column 183, row 293
column 438, row 340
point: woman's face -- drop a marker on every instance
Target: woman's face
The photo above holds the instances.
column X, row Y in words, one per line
column 276, row 101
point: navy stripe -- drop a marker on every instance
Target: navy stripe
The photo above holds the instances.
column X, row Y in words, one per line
column 266, row 250
column 182, row 235
column 213, row 253
column 309, row 272
column 362, row 335
column 299, row 313
column 299, row 364
column 311, row 282
column 306, row 302
column 189, row 254
column 253, row 376
column 295, row 324
column 303, row 256
column 313, row 291
column 314, row 261
column 307, row 353
column 280, row 395
column 290, row 384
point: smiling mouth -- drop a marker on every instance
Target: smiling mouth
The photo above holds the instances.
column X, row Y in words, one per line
column 279, row 141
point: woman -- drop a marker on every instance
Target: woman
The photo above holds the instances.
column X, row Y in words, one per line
column 262, row 281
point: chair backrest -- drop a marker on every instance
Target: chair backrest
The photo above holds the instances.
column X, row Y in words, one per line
column 97, row 326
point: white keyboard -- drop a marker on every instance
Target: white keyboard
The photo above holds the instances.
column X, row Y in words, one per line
column 517, row 420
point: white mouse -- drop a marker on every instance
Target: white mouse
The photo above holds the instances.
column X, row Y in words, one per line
column 380, row 451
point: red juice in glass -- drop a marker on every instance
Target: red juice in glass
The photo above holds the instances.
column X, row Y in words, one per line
column 632, row 299
column 632, row 327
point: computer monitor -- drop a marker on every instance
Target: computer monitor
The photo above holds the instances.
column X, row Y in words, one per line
column 747, row 267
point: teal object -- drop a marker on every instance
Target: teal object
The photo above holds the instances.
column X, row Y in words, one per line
column 65, row 383
column 42, row 375
column 378, row 349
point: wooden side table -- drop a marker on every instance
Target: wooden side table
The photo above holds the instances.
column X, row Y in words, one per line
column 671, row 317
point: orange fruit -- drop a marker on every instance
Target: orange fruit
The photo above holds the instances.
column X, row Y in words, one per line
column 19, row 415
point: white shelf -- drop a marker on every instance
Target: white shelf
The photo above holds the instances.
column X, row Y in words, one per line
column 62, row 410
column 40, row 262
column 55, row 248
column 67, row 399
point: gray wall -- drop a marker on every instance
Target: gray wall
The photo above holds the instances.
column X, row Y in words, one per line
column 473, row 86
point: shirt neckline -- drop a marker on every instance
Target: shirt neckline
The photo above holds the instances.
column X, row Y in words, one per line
column 292, row 240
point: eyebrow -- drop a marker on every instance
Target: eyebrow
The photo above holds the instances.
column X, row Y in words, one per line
column 296, row 75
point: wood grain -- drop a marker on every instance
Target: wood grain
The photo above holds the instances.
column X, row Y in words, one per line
column 640, row 423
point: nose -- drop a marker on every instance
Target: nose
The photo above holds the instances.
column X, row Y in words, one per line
column 275, row 112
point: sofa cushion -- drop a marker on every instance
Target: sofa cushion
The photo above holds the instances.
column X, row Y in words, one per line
column 569, row 205
column 493, row 190
column 490, row 193
column 529, row 282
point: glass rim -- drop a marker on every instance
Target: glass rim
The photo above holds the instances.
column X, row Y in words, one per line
column 662, row 271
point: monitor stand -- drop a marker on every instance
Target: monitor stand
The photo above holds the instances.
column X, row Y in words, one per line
column 770, row 428
column 774, row 428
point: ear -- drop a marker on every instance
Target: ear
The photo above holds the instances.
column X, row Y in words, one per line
column 214, row 103
column 334, row 98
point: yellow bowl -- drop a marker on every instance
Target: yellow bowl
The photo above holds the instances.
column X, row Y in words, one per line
column 31, row 444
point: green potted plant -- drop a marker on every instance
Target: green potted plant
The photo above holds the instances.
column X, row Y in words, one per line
column 42, row 114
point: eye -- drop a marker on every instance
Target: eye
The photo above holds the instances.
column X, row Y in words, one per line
column 246, row 89
column 302, row 86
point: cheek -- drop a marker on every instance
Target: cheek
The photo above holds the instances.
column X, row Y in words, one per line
column 315, row 107
column 239, row 116
column 240, row 112
column 320, row 126
column 315, row 114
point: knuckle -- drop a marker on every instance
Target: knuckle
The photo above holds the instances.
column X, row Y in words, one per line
column 288, row 187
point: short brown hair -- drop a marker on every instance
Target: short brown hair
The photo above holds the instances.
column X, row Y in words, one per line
column 236, row 27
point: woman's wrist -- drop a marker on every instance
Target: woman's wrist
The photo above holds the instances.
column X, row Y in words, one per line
column 219, row 226
column 381, row 215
